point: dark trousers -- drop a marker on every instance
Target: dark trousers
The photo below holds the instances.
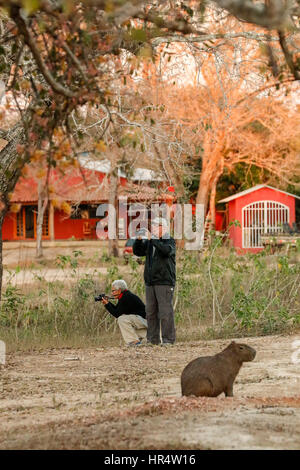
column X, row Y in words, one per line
column 160, row 314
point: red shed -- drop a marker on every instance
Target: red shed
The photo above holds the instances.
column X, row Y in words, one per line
column 259, row 210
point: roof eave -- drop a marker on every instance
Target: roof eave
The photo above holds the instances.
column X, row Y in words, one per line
column 255, row 188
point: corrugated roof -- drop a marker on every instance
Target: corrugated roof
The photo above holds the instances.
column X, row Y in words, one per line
column 104, row 166
column 255, row 188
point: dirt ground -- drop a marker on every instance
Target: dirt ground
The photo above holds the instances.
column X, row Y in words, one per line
column 22, row 256
column 125, row 398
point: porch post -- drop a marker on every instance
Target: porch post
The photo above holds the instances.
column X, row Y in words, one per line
column 51, row 221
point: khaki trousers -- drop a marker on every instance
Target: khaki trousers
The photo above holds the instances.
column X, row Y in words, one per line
column 133, row 327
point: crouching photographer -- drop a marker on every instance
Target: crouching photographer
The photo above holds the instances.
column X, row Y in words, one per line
column 129, row 311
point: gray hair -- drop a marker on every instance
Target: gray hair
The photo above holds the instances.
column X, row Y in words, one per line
column 120, row 284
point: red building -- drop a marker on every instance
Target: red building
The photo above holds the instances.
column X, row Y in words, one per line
column 259, row 210
column 81, row 189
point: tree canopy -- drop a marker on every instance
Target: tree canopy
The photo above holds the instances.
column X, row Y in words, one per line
column 60, row 59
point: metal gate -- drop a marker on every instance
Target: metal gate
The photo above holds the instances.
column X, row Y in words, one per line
column 262, row 217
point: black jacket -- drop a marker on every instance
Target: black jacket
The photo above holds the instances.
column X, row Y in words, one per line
column 129, row 304
column 160, row 268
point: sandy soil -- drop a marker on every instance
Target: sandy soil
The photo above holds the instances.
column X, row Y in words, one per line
column 30, row 269
column 124, row 398
column 24, row 253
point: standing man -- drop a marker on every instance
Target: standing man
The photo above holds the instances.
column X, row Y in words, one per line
column 160, row 278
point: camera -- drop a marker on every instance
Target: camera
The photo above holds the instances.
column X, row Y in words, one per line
column 99, row 297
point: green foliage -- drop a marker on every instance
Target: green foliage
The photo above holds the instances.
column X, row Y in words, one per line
column 218, row 294
column 30, row 6
column 105, row 257
column 234, row 295
column 243, row 177
column 65, row 261
column 137, row 34
column 12, row 302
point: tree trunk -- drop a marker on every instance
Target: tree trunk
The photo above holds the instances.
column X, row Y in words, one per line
column 209, row 177
column 2, row 215
column 51, row 221
column 208, row 186
column 113, row 247
column 212, row 204
column 11, row 164
column 203, row 191
column 42, row 205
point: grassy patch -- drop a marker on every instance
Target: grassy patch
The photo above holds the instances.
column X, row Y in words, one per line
column 218, row 295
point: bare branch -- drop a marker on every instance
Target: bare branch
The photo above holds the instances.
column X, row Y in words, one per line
column 29, row 40
column 211, row 37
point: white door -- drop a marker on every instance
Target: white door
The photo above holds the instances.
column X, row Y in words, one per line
column 262, row 217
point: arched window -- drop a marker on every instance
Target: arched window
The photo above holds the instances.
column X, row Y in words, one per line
column 262, row 217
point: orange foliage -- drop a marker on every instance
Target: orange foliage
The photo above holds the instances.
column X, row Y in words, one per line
column 66, row 208
column 225, row 123
column 15, row 208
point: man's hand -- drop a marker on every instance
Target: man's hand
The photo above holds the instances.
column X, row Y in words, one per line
column 104, row 301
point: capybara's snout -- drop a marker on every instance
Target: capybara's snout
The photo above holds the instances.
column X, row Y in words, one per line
column 251, row 353
column 243, row 351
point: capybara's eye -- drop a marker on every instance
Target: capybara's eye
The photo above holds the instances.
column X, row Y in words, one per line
column 241, row 347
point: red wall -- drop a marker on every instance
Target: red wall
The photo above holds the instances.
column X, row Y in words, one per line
column 8, row 226
column 263, row 194
column 65, row 228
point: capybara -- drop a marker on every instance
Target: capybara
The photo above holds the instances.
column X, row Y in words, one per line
column 209, row 376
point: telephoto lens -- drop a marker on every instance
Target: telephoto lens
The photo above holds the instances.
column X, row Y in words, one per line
column 99, row 297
